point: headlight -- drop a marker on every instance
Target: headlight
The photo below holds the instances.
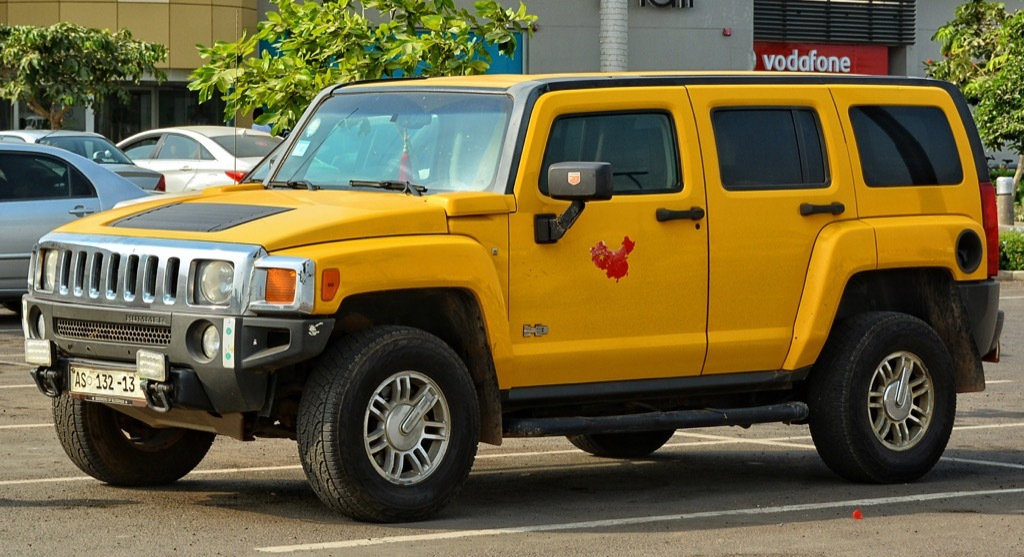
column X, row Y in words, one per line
column 48, row 278
column 216, row 281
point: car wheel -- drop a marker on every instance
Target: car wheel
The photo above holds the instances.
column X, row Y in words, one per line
column 388, row 425
column 621, row 445
column 120, row 450
column 13, row 306
column 882, row 399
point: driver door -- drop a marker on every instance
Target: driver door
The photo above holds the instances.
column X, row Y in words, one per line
column 623, row 294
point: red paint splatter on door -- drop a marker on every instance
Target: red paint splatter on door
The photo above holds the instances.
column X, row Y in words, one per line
column 613, row 263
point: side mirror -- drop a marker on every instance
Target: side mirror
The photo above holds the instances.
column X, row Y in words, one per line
column 578, row 182
column 584, row 181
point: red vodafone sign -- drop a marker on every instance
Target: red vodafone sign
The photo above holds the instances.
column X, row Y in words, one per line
column 822, row 58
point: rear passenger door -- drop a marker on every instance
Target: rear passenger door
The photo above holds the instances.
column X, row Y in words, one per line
column 777, row 173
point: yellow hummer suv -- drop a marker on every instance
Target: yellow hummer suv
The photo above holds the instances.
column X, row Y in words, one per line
column 426, row 264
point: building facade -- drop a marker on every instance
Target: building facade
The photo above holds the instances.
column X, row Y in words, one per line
column 851, row 36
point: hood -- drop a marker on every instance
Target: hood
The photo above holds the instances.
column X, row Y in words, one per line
column 280, row 219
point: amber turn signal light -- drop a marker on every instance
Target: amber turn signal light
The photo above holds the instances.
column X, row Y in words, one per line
column 331, row 281
column 280, row 286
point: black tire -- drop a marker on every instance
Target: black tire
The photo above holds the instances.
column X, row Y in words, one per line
column 621, row 445
column 120, row 450
column 13, row 306
column 352, row 420
column 860, row 427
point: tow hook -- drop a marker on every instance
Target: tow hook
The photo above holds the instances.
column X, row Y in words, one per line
column 158, row 395
column 49, row 381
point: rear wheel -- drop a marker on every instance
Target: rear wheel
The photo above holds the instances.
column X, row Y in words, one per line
column 882, row 399
column 388, row 425
column 120, row 450
column 622, row 445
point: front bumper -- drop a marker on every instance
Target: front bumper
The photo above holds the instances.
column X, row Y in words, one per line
column 236, row 381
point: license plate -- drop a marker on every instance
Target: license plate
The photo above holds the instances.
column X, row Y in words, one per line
column 106, row 385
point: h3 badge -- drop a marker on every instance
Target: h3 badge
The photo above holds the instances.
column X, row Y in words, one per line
column 537, row 330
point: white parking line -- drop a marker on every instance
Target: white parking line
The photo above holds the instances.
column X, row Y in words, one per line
column 617, row 522
column 29, row 386
column 998, row 381
column 707, row 440
column 14, row 363
column 984, row 462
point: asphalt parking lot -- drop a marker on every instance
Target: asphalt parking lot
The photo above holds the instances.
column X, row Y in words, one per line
column 726, row 491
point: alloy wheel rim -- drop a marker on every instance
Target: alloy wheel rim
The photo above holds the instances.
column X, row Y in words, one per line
column 901, row 400
column 406, row 428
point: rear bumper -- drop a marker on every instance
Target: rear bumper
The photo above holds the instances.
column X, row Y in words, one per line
column 982, row 302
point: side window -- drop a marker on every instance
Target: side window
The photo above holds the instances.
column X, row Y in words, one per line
column 141, row 149
column 640, row 147
column 176, row 147
column 25, row 176
column 80, row 185
column 770, row 148
column 905, row 146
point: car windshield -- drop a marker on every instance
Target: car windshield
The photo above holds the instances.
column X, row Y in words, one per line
column 442, row 141
column 246, row 146
column 96, row 149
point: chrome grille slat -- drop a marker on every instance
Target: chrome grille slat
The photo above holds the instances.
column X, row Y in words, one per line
column 147, row 335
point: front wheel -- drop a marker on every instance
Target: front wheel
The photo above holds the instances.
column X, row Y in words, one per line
column 388, row 425
column 882, row 399
column 120, row 450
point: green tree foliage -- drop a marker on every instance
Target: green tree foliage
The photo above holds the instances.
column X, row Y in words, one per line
column 338, row 41
column 53, row 69
column 983, row 54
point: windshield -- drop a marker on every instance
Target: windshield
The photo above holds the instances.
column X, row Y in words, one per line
column 96, row 149
column 443, row 141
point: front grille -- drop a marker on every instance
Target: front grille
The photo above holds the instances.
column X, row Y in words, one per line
column 147, row 335
column 142, row 273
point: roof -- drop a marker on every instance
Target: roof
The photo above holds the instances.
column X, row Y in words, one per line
column 508, row 81
column 31, row 136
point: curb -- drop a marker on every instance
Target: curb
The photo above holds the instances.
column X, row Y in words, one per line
column 1011, row 275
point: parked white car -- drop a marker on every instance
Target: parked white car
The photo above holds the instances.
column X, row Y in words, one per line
column 196, row 157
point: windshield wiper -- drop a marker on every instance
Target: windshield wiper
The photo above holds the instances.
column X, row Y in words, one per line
column 299, row 184
column 407, row 187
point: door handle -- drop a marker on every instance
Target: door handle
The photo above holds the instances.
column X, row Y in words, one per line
column 185, row 168
column 81, row 211
column 694, row 213
column 834, row 208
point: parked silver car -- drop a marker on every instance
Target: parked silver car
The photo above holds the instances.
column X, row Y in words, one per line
column 197, row 157
column 41, row 188
column 94, row 147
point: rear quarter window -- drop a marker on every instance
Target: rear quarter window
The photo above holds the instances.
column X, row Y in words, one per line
column 905, row 146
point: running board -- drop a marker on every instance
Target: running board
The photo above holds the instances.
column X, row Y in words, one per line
column 651, row 421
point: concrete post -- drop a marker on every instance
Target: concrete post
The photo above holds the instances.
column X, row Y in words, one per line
column 614, row 35
column 1004, row 200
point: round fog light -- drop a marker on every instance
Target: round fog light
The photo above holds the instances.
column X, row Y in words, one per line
column 40, row 326
column 211, row 342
